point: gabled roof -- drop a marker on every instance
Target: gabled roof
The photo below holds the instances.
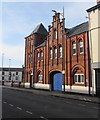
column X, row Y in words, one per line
column 78, row 29
column 94, row 7
column 40, row 29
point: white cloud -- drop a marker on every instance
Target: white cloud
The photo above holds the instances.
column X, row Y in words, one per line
column 13, row 52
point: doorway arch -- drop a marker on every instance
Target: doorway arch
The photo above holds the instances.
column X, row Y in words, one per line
column 56, row 81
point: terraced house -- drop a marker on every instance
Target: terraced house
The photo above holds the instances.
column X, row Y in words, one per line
column 58, row 59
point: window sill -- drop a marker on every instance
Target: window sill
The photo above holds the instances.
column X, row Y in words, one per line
column 73, row 54
column 79, row 84
column 81, row 53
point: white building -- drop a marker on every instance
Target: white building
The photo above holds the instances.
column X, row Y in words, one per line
column 94, row 40
column 11, row 74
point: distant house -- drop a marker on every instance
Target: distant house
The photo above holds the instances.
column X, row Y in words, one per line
column 11, row 74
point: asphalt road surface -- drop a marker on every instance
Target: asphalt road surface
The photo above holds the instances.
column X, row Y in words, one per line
column 19, row 104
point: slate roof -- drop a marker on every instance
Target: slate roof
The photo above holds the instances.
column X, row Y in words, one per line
column 40, row 29
column 94, row 8
column 41, row 45
column 78, row 29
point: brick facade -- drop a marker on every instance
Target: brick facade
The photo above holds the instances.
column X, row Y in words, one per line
column 58, row 42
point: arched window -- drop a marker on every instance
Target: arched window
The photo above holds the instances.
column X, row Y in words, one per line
column 73, row 48
column 50, row 53
column 81, row 47
column 40, row 77
column 41, row 55
column 55, row 53
column 60, row 51
column 55, row 34
column 78, row 76
column 38, row 55
column 29, row 58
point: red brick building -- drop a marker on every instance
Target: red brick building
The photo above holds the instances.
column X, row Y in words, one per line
column 58, row 59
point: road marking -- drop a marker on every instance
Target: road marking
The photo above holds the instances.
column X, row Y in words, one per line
column 29, row 112
column 19, row 108
column 95, row 108
column 81, row 104
column 68, row 102
column 11, row 105
column 5, row 102
column 43, row 118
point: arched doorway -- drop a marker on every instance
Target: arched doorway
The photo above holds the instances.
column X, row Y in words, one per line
column 56, row 81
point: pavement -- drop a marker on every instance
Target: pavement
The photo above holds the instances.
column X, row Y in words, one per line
column 75, row 96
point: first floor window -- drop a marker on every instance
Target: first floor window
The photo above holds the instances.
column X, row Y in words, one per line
column 50, row 53
column 60, row 51
column 55, row 53
column 40, row 78
column 3, row 73
column 79, row 78
column 38, row 56
column 74, row 48
column 16, row 73
column 81, row 47
column 41, row 54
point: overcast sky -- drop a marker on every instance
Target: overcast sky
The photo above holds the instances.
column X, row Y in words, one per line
column 20, row 18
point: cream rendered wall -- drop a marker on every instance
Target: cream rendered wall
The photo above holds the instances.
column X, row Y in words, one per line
column 94, row 35
column 99, row 35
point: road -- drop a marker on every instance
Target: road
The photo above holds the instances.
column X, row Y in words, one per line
column 19, row 104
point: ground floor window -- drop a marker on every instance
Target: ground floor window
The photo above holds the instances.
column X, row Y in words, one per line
column 2, row 78
column 79, row 78
column 40, row 78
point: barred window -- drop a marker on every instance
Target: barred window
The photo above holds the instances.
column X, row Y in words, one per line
column 79, row 78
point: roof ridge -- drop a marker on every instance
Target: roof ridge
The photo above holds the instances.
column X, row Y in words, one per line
column 40, row 29
column 79, row 24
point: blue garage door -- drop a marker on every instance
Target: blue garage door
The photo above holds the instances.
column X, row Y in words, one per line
column 57, row 82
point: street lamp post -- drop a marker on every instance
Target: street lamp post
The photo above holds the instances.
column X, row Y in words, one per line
column 63, row 46
column 2, row 64
column 9, row 69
